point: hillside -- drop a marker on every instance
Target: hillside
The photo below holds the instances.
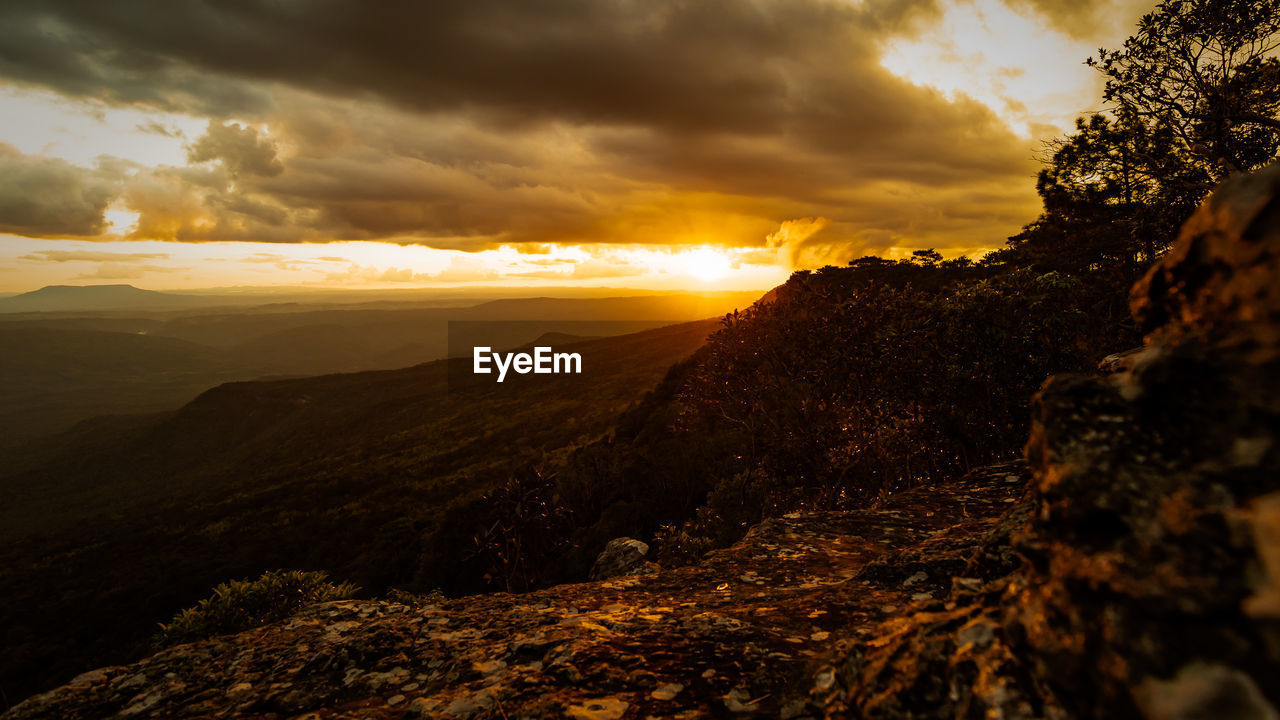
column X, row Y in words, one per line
column 1132, row 569
column 368, row 475
column 61, row 368
column 51, row 378
column 852, row 383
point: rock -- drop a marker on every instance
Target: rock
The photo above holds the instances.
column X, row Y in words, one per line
column 622, row 556
column 1205, row 692
column 695, row 641
column 1117, row 362
column 1265, row 602
column 667, row 692
column 1147, row 581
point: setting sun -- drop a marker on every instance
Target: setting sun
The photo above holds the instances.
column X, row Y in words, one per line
column 706, row 264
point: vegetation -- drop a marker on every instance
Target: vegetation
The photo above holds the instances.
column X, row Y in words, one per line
column 1206, row 70
column 525, row 530
column 240, row 605
column 61, row 368
column 1194, row 95
column 852, row 383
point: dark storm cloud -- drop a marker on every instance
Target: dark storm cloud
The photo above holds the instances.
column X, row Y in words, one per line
column 713, row 63
column 468, row 124
column 41, row 196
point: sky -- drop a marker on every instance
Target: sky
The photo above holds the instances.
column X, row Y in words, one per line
column 708, row 144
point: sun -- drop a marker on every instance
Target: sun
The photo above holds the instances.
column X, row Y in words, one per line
column 706, row 264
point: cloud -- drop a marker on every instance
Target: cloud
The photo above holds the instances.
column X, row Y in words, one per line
column 464, row 268
column 663, row 63
column 156, row 128
column 124, row 271
column 591, row 269
column 279, row 262
column 790, row 237
column 532, row 122
column 355, row 273
column 242, row 150
column 1092, row 20
column 397, row 275
column 90, row 256
column 41, row 196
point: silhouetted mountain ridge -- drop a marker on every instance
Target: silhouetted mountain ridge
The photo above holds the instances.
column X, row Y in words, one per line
column 71, row 298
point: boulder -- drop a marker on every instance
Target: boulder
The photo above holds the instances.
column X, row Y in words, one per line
column 622, row 556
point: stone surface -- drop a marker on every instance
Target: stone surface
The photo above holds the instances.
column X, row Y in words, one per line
column 740, row 634
column 622, row 556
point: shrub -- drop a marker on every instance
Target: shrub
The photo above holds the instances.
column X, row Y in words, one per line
column 239, row 605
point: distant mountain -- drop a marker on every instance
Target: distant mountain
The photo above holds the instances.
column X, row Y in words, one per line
column 78, row 298
column 553, row 339
column 482, row 302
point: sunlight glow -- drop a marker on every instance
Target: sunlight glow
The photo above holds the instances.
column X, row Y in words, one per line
column 121, row 222
column 28, row 263
column 706, row 264
column 1012, row 61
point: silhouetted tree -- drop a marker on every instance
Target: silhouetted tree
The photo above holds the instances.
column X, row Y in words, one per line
column 1115, row 191
column 928, row 258
column 1205, row 69
column 1194, row 94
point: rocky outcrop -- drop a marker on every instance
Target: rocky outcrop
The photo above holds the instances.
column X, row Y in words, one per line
column 622, row 556
column 743, row 632
column 1150, row 564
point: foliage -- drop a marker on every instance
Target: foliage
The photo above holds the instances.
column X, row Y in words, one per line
column 1194, row 95
column 240, row 605
column 414, row 600
column 525, row 528
column 1205, row 69
column 850, row 383
column 374, row 478
column 1114, row 193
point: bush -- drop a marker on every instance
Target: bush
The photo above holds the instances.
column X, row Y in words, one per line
column 240, row 605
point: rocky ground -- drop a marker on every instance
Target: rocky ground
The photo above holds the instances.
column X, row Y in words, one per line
column 744, row 632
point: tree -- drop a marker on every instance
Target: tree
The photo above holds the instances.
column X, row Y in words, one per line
column 1194, row 95
column 1204, row 69
column 928, row 258
column 1116, row 190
